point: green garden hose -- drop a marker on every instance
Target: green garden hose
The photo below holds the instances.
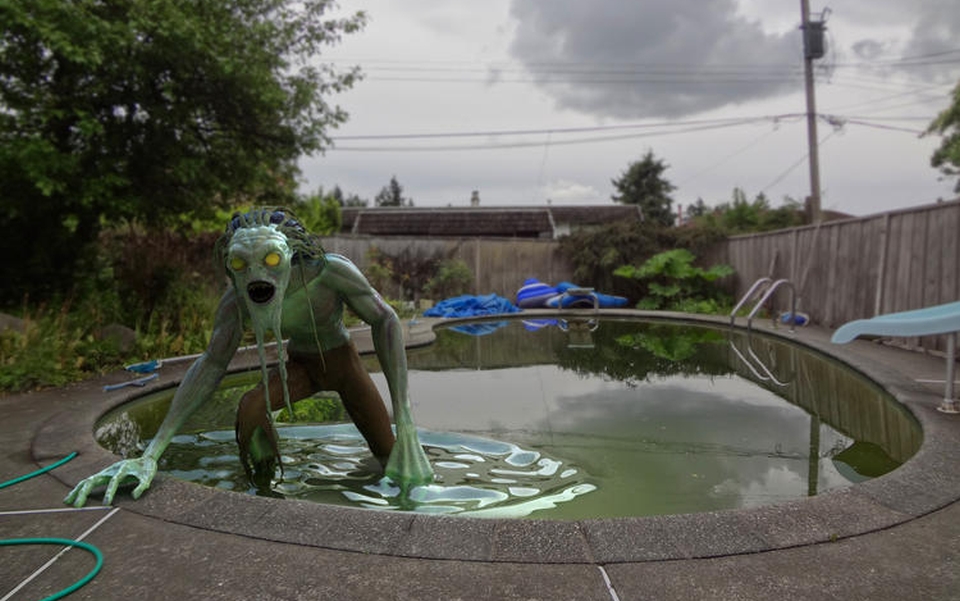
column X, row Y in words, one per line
column 63, row 542
column 39, row 471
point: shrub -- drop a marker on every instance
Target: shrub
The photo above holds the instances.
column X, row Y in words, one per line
column 674, row 283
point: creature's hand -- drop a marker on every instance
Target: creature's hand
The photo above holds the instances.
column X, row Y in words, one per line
column 142, row 469
column 408, row 464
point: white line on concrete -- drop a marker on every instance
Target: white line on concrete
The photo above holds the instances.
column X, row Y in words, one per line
column 54, row 510
column 606, row 579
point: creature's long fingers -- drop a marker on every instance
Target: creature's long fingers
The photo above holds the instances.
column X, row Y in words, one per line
column 114, row 484
column 78, row 496
column 145, row 480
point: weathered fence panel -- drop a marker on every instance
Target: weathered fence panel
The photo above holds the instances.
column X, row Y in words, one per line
column 499, row 265
column 857, row 268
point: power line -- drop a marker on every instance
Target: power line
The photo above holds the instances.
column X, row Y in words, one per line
column 567, row 130
column 650, row 130
column 633, row 131
column 529, row 144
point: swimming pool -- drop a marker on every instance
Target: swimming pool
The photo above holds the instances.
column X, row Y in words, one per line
column 575, row 419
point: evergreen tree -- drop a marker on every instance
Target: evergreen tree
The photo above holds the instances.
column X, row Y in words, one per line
column 391, row 195
column 643, row 184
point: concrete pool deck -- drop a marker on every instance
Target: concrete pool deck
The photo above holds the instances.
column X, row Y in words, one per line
column 894, row 537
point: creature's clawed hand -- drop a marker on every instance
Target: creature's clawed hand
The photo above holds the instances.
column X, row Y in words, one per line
column 408, row 465
column 141, row 470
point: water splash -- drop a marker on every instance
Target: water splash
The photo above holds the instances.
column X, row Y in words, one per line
column 476, row 476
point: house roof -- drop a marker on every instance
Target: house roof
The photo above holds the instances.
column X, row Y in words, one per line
column 514, row 222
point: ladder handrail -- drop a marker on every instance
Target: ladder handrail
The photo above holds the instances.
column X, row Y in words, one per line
column 743, row 300
column 773, row 288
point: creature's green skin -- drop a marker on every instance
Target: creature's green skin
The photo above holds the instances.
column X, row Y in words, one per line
column 313, row 295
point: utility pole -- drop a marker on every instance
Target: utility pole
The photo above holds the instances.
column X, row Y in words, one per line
column 813, row 48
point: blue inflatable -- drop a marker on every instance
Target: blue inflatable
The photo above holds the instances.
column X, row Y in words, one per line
column 534, row 294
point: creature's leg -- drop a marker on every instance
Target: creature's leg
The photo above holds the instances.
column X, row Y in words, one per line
column 256, row 436
column 346, row 375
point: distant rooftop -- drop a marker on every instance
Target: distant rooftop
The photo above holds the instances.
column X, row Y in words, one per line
column 510, row 222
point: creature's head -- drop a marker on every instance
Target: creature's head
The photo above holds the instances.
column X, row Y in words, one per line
column 258, row 250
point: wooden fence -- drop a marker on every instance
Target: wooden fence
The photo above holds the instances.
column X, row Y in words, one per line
column 857, row 268
column 499, row 265
column 842, row 270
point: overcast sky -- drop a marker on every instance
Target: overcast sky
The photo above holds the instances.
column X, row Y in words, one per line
column 537, row 100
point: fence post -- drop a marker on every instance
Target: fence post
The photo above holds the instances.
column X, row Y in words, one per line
column 476, row 265
column 882, row 268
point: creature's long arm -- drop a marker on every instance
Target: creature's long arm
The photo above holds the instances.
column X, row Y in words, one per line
column 203, row 377
column 408, row 464
column 198, row 384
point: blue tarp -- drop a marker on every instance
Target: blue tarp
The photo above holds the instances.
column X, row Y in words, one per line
column 471, row 306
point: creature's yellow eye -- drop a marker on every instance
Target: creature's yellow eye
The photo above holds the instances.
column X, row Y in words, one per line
column 272, row 259
column 237, row 264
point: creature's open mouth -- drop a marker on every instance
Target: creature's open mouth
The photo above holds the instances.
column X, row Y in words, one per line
column 260, row 292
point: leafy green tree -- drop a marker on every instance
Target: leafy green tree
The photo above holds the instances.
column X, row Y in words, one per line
column 391, row 195
column 741, row 215
column 947, row 124
column 319, row 213
column 643, row 184
column 148, row 109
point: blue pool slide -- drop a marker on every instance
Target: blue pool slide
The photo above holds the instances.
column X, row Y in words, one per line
column 929, row 321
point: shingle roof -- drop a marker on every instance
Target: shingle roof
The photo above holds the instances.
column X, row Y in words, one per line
column 520, row 222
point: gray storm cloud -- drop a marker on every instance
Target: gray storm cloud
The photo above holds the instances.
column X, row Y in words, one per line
column 652, row 58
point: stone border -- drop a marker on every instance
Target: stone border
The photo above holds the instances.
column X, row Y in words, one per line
column 927, row 482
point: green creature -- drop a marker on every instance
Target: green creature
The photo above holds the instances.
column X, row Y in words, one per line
column 284, row 282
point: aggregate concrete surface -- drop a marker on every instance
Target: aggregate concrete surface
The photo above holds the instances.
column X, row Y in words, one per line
column 894, row 537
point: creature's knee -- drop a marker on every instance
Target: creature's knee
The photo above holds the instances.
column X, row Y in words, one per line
column 251, row 412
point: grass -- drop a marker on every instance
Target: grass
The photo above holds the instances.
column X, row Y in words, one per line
column 62, row 342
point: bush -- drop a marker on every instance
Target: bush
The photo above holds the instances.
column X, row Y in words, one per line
column 55, row 347
column 674, row 283
column 453, row 278
column 596, row 253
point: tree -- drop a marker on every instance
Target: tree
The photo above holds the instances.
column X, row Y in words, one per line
column 319, row 213
column 741, row 215
column 697, row 209
column 643, row 184
column 148, row 109
column 391, row 195
column 341, row 198
column 947, row 157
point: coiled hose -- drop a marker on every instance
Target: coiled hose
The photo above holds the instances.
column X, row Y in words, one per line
column 63, row 542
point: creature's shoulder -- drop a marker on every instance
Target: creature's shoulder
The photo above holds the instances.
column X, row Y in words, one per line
column 336, row 257
column 339, row 267
column 338, row 263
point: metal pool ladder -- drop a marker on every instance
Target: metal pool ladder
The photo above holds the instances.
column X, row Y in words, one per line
column 768, row 286
column 771, row 287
